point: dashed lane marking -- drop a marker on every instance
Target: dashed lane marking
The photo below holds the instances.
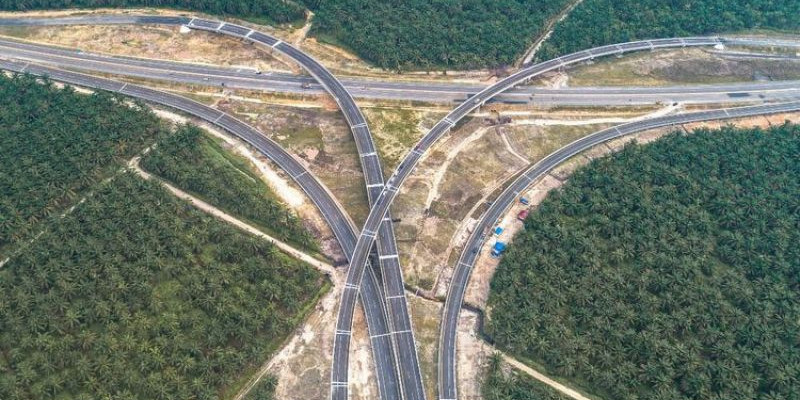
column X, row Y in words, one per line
column 386, row 257
column 299, row 175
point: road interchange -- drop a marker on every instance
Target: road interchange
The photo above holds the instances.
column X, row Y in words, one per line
column 400, row 336
column 382, row 196
column 341, row 224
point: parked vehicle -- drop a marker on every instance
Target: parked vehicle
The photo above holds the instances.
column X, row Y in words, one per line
column 498, row 249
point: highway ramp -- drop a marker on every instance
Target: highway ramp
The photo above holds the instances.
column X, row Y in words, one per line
column 334, row 214
column 470, row 253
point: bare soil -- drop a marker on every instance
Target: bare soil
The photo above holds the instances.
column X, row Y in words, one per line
column 680, row 66
column 154, row 41
column 319, row 138
column 425, row 316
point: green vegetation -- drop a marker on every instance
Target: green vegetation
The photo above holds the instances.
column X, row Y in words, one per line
column 56, row 144
column 200, row 165
column 421, row 34
column 264, row 389
column 666, row 271
column 272, row 10
column 598, row 22
column 136, row 295
column 514, row 386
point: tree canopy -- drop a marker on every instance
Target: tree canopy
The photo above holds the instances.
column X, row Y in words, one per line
column 137, row 295
column 512, row 385
column 665, row 271
column 599, row 22
column 280, row 11
column 199, row 164
column 56, row 144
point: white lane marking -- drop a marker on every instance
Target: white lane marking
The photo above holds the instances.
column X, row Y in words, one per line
column 619, row 48
column 417, row 152
column 395, row 297
column 399, row 332
column 341, row 332
column 277, row 43
column 651, row 45
column 221, row 24
column 465, row 264
column 365, row 155
column 191, row 21
column 334, row 383
column 391, row 188
column 299, row 175
column 617, row 129
column 386, row 257
column 683, row 42
column 726, row 111
column 350, row 286
column 361, row 125
column 24, row 67
column 380, row 335
column 449, row 122
column 219, row 118
column 249, row 33
column 368, row 234
column 372, row 185
column 123, row 87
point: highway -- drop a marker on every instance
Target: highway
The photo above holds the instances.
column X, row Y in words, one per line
column 334, row 214
column 379, row 211
column 399, row 338
column 471, row 250
column 400, row 334
column 381, row 195
column 244, row 78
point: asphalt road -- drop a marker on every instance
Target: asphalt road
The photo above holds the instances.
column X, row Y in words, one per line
column 472, row 248
column 400, row 334
column 447, row 383
column 245, row 78
column 385, row 194
column 340, row 223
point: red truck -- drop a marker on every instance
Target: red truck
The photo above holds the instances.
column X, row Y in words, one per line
column 522, row 215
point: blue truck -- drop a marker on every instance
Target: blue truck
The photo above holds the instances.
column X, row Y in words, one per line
column 498, row 249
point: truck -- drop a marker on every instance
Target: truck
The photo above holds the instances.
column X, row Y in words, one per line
column 522, row 215
column 524, row 200
column 498, row 249
column 498, row 230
